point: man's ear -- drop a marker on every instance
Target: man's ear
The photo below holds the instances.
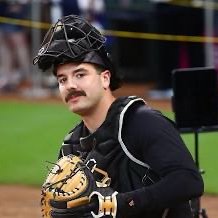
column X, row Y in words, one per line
column 105, row 77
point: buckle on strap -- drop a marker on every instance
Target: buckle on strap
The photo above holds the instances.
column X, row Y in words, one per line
column 107, row 205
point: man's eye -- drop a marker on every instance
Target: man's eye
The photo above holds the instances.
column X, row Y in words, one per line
column 79, row 75
column 62, row 80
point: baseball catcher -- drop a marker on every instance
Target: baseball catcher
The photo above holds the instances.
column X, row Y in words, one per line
column 124, row 159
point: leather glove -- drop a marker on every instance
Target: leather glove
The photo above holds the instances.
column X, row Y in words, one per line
column 75, row 212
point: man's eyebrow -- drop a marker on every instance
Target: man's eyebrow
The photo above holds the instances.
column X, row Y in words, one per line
column 80, row 69
column 59, row 75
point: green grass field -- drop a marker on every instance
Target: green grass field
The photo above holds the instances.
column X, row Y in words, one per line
column 31, row 134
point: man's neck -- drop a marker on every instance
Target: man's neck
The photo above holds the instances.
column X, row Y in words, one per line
column 93, row 121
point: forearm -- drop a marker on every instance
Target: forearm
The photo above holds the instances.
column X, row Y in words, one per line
column 166, row 193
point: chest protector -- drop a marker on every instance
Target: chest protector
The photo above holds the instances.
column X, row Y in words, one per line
column 107, row 147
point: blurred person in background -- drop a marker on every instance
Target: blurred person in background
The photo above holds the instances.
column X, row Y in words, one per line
column 14, row 48
column 92, row 10
column 56, row 10
column 176, row 18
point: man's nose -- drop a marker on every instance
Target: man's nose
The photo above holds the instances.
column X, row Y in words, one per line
column 71, row 84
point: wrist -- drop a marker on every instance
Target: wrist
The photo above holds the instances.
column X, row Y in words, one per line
column 126, row 205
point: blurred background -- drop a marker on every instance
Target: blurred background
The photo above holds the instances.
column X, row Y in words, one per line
column 146, row 38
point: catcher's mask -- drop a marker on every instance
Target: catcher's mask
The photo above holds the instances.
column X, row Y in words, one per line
column 73, row 39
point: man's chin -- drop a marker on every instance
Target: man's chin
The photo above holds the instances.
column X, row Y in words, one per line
column 76, row 110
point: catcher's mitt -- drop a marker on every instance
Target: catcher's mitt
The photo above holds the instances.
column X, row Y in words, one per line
column 70, row 183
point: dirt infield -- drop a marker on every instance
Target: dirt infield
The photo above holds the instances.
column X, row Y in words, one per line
column 24, row 202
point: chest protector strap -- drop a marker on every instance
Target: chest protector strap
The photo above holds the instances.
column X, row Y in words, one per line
column 127, row 152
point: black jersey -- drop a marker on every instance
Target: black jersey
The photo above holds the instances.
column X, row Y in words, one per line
column 152, row 139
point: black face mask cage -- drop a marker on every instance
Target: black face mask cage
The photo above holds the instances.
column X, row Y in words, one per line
column 73, row 39
column 69, row 39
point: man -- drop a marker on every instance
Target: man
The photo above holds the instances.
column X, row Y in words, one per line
column 152, row 173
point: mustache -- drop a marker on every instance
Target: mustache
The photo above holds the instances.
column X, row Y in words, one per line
column 74, row 93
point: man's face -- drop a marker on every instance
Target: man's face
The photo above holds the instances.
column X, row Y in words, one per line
column 81, row 86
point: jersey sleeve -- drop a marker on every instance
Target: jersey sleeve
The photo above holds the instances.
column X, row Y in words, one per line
column 156, row 141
